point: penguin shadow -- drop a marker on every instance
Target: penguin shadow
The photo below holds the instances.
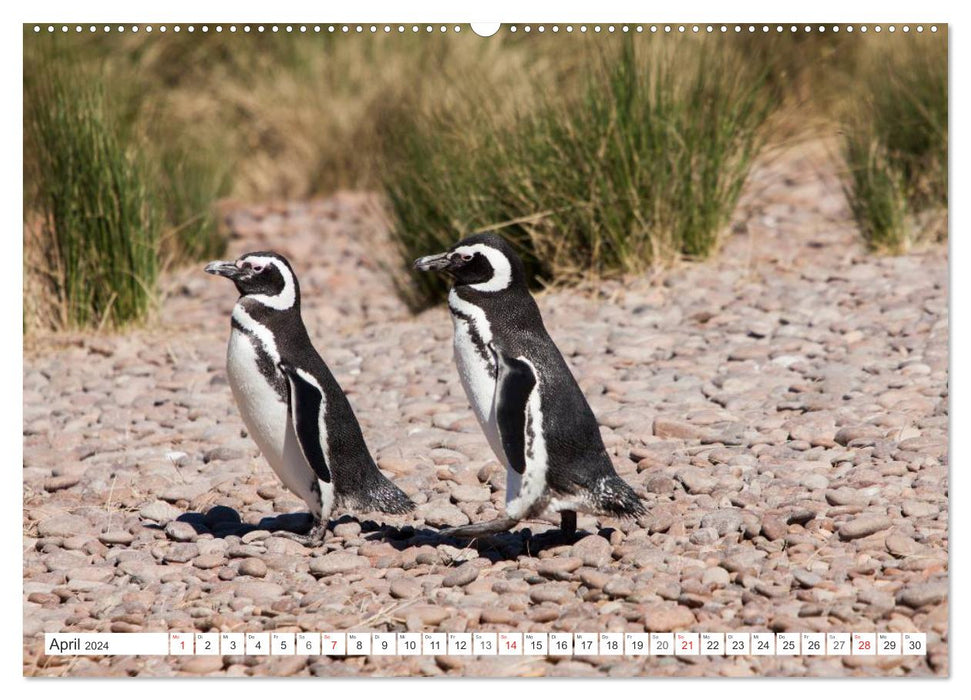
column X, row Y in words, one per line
column 223, row 521
column 502, row 546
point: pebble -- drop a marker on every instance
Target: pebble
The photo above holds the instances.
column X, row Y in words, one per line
column 774, row 527
column 806, row 579
column 919, row 509
column 467, row 493
column 704, row 536
column 58, row 483
column 558, row 567
column 724, row 521
column 405, row 588
column 201, row 664
column 923, row 594
column 665, row 617
column 258, row 590
column 209, row 561
column 461, row 576
column 122, row 537
column 864, row 525
column 592, row 550
column 846, row 496
column 337, row 563
column 253, row 567
column 673, row 428
column 180, row 531
column 347, row 531
column 559, row 593
column 619, row 587
column 901, row 546
column 181, row 553
column 715, row 576
column 439, row 515
column 594, row 579
column 159, row 511
column 696, row 481
column 63, row 526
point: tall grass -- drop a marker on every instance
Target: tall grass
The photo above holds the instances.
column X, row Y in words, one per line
column 644, row 165
column 119, row 189
column 190, row 181
column 591, row 156
column 99, row 225
column 895, row 146
column 290, row 114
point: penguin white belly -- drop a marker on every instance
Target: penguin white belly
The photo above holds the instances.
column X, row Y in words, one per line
column 266, row 418
column 477, row 374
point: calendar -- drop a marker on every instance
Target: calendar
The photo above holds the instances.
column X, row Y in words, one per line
column 550, row 644
column 717, row 444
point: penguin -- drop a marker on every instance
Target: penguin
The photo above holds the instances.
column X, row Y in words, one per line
column 528, row 403
column 292, row 405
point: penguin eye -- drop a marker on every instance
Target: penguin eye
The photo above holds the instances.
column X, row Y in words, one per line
column 257, row 268
column 466, row 257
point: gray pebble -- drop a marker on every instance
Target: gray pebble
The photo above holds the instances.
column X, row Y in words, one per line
column 461, row 576
column 180, row 531
column 921, row 594
column 863, row 526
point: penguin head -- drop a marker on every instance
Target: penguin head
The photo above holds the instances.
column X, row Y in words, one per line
column 484, row 262
column 263, row 276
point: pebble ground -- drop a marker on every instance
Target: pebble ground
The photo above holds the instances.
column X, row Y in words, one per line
column 782, row 410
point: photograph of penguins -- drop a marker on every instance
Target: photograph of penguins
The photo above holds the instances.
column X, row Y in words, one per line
column 436, row 331
column 530, row 407
column 292, row 405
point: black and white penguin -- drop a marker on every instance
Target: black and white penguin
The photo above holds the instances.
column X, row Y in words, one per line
column 529, row 405
column 291, row 404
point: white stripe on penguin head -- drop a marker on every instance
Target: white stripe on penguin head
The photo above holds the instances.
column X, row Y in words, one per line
column 501, row 268
column 286, row 296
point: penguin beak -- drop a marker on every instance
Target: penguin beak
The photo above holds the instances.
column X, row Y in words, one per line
column 433, row 262
column 223, row 268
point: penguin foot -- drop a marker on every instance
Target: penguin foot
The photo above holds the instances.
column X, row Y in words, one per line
column 314, row 538
column 490, row 527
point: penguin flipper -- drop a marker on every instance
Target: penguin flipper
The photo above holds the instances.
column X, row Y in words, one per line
column 306, row 401
column 514, row 385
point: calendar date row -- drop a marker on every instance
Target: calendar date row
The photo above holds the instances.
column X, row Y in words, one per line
column 490, row 643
